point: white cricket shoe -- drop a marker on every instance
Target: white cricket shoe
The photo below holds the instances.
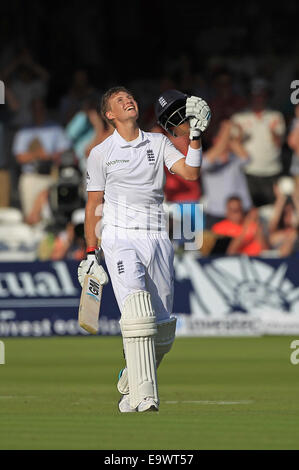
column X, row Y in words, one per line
column 124, row 405
column 148, row 404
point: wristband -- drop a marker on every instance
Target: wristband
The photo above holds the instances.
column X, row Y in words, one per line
column 195, row 134
column 91, row 249
column 194, row 157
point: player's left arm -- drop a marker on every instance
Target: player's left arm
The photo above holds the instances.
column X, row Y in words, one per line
column 181, row 167
column 199, row 115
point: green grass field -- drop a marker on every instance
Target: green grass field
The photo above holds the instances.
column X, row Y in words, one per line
column 216, row 393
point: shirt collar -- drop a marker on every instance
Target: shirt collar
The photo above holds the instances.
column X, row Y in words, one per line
column 133, row 143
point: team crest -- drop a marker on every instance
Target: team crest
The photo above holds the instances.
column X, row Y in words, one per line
column 120, row 267
column 162, row 101
column 150, row 156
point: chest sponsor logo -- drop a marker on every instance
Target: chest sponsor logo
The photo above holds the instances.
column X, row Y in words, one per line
column 114, row 162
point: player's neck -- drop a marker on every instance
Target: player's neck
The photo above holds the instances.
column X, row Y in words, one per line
column 128, row 130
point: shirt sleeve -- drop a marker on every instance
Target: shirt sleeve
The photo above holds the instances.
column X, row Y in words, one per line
column 96, row 172
column 170, row 153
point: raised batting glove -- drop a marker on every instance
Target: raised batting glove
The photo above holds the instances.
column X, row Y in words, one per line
column 199, row 115
column 91, row 266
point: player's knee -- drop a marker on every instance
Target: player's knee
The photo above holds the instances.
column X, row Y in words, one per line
column 138, row 317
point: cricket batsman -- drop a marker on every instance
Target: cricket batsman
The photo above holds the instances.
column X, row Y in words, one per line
column 125, row 176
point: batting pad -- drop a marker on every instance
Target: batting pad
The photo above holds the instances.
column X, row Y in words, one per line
column 163, row 344
column 138, row 325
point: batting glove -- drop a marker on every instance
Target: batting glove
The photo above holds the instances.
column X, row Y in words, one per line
column 199, row 115
column 91, row 266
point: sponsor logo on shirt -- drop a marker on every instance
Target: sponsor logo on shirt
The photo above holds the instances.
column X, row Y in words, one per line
column 114, row 162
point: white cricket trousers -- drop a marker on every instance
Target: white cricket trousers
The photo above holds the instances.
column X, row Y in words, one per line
column 140, row 260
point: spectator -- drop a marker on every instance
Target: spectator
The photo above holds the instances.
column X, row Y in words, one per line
column 225, row 100
column 8, row 101
column 222, row 175
column 56, row 204
column 293, row 143
column 80, row 90
column 87, row 129
column 4, row 175
column 2, row 152
column 244, row 230
column 65, row 242
column 261, row 131
column 28, row 81
column 8, row 170
column 37, row 148
column 283, row 225
column 101, row 129
column 40, row 211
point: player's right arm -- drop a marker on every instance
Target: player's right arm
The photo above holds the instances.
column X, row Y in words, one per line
column 93, row 214
column 95, row 185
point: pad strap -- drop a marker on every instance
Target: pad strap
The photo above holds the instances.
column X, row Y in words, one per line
column 139, row 327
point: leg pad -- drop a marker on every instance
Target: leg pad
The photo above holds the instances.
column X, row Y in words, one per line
column 138, row 326
column 163, row 343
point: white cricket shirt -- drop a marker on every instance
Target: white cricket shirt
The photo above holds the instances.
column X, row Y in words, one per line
column 132, row 176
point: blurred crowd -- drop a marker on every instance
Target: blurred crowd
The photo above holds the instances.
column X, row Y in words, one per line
column 245, row 202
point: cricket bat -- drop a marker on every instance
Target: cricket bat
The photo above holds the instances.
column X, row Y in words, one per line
column 90, row 303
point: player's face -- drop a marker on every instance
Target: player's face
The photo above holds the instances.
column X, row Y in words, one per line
column 123, row 107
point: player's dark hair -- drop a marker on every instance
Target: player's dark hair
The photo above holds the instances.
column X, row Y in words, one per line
column 105, row 101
